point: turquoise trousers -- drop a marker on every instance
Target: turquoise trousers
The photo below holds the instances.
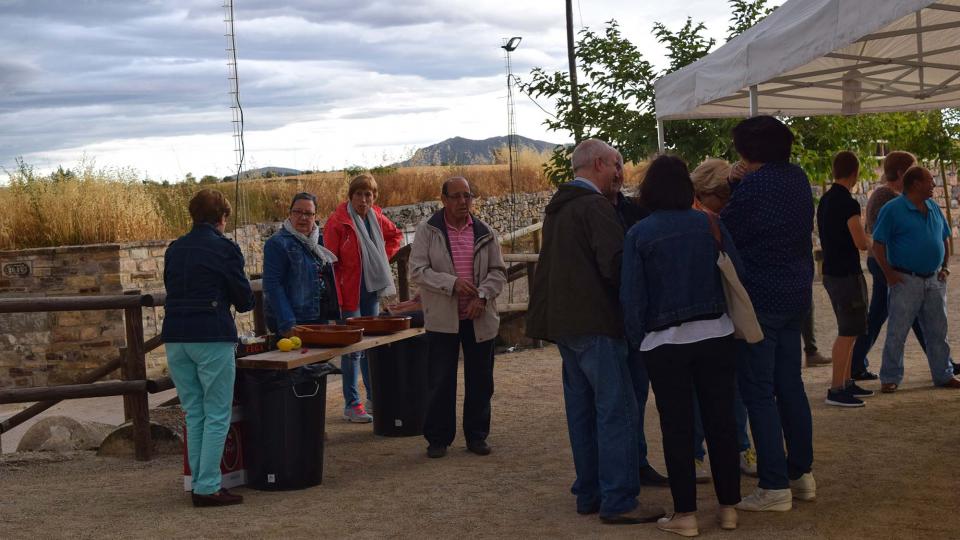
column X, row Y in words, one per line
column 204, row 375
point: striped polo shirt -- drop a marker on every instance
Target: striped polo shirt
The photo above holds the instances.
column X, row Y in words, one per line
column 461, row 249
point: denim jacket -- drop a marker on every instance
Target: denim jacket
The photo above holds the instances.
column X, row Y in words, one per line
column 297, row 287
column 203, row 274
column 670, row 272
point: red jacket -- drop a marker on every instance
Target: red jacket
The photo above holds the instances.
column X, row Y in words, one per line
column 340, row 237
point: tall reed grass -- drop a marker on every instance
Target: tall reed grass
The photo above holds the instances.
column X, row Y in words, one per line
column 86, row 205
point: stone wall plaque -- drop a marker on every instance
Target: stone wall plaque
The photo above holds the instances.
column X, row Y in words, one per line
column 17, row 269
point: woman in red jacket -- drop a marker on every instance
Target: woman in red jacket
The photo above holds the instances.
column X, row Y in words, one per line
column 363, row 241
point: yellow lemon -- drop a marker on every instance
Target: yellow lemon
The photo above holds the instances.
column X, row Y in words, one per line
column 296, row 342
column 285, row 345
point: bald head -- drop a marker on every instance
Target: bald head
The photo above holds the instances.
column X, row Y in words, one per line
column 598, row 162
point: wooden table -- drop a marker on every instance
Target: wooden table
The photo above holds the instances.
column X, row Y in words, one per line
column 295, row 359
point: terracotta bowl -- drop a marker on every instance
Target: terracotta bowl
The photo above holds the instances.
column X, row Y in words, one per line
column 328, row 335
column 381, row 324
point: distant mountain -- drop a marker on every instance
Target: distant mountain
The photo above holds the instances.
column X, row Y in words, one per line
column 460, row 151
column 265, row 172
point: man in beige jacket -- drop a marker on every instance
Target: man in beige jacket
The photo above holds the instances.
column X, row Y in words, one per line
column 456, row 262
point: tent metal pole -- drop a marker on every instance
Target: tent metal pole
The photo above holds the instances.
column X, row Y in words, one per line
column 754, row 103
column 661, row 143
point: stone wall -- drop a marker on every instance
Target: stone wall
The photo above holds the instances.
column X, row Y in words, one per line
column 38, row 349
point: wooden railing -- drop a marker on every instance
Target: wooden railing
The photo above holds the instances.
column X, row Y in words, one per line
column 134, row 386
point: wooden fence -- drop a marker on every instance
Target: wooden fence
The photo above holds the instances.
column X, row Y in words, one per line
column 134, row 385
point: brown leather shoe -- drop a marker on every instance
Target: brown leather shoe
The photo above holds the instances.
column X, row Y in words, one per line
column 952, row 383
column 220, row 498
column 888, row 388
column 817, row 359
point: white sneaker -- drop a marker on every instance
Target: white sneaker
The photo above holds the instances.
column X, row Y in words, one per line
column 767, row 500
column 703, row 475
column 804, row 488
column 748, row 462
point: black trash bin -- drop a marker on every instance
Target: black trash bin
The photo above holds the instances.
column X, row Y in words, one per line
column 284, row 414
column 399, row 379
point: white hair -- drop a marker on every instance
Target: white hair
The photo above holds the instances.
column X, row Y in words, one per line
column 587, row 151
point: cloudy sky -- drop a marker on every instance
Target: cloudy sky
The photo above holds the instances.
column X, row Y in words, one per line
column 323, row 84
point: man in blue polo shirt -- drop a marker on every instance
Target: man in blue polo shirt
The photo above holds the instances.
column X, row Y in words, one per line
column 910, row 245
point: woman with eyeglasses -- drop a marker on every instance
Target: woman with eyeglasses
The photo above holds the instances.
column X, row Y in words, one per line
column 298, row 279
column 363, row 240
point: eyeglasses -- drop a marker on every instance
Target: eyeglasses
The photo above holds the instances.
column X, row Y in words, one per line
column 302, row 214
column 466, row 195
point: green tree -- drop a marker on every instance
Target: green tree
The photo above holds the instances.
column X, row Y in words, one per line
column 616, row 98
column 209, row 179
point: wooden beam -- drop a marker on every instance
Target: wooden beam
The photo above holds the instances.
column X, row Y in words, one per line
column 159, row 385
column 521, row 257
column 71, row 391
column 136, row 369
column 68, row 303
column 37, row 408
column 520, row 233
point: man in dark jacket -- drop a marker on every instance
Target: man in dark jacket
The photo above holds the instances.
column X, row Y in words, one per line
column 574, row 302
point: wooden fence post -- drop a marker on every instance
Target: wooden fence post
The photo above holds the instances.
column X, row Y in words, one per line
column 139, row 407
column 403, row 268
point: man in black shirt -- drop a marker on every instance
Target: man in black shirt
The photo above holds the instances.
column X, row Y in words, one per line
column 842, row 238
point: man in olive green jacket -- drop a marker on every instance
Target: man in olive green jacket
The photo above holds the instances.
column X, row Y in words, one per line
column 575, row 303
column 456, row 261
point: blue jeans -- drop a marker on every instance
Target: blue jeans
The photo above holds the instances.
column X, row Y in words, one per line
column 351, row 363
column 203, row 374
column 739, row 414
column 923, row 299
column 876, row 316
column 602, row 422
column 641, row 388
column 772, row 390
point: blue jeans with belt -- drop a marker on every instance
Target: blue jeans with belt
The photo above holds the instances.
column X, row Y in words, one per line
column 768, row 374
column 204, row 374
column 353, row 362
column 602, row 422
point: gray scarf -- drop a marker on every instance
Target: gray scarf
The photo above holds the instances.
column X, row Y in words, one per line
column 311, row 242
column 373, row 253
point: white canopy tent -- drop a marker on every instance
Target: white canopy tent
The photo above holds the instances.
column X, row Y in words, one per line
column 822, row 57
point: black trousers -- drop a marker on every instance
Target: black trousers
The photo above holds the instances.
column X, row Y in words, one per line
column 708, row 368
column 440, row 426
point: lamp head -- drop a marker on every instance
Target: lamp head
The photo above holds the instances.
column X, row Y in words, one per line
column 512, row 44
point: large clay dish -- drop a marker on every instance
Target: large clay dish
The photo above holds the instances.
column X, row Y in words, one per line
column 328, row 335
column 382, row 324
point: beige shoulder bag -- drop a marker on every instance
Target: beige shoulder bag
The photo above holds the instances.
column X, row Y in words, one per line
column 739, row 307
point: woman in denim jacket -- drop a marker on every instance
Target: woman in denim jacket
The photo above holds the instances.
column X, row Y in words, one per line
column 203, row 276
column 675, row 314
column 298, row 282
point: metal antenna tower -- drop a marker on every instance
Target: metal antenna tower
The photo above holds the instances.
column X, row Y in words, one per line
column 242, row 215
column 510, row 45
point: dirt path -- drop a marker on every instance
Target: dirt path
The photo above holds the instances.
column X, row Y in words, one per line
column 885, row 471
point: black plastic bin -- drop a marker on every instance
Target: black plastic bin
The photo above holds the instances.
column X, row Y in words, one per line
column 284, row 412
column 399, row 377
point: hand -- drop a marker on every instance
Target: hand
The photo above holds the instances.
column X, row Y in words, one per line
column 942, row 275
column 476, row 308
column 464, row 288
column 893, row 278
